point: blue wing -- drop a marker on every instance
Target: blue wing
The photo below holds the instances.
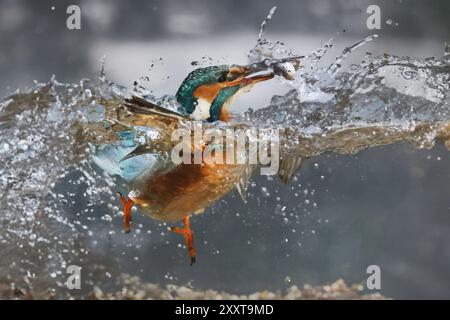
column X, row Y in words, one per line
column 108, row 157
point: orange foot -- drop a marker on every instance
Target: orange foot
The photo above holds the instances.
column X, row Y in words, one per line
column 188, row 236
column 127, row 204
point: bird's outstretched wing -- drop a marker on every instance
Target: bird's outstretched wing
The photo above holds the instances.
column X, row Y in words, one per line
column 127, row 114
column 130, row 128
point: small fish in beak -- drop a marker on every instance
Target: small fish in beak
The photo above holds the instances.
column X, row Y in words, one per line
column 285, row 68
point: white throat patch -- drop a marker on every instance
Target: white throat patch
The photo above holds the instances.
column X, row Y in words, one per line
column 201, row 111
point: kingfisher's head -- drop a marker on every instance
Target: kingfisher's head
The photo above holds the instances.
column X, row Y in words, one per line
column 205, row 92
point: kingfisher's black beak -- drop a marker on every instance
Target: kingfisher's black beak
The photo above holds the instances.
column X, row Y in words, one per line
column 253, row 74
column 247, row 75
column 264, row 70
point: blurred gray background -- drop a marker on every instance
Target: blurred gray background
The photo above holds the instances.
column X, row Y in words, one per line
column 387, row 206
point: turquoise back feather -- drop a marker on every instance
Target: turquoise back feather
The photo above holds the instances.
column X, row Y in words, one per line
column 185, row 94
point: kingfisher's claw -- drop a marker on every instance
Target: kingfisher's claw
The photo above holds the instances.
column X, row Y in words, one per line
column 127, row 204
column 186, row 231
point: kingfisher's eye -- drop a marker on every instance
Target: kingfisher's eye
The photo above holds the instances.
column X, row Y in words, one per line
column 223, row 77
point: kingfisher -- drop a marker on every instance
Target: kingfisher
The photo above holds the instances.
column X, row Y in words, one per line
column 140, row 146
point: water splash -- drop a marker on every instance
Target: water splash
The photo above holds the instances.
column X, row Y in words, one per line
column 38, row 150
column 265, row 48
column 339, row 108
column 383, row 100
